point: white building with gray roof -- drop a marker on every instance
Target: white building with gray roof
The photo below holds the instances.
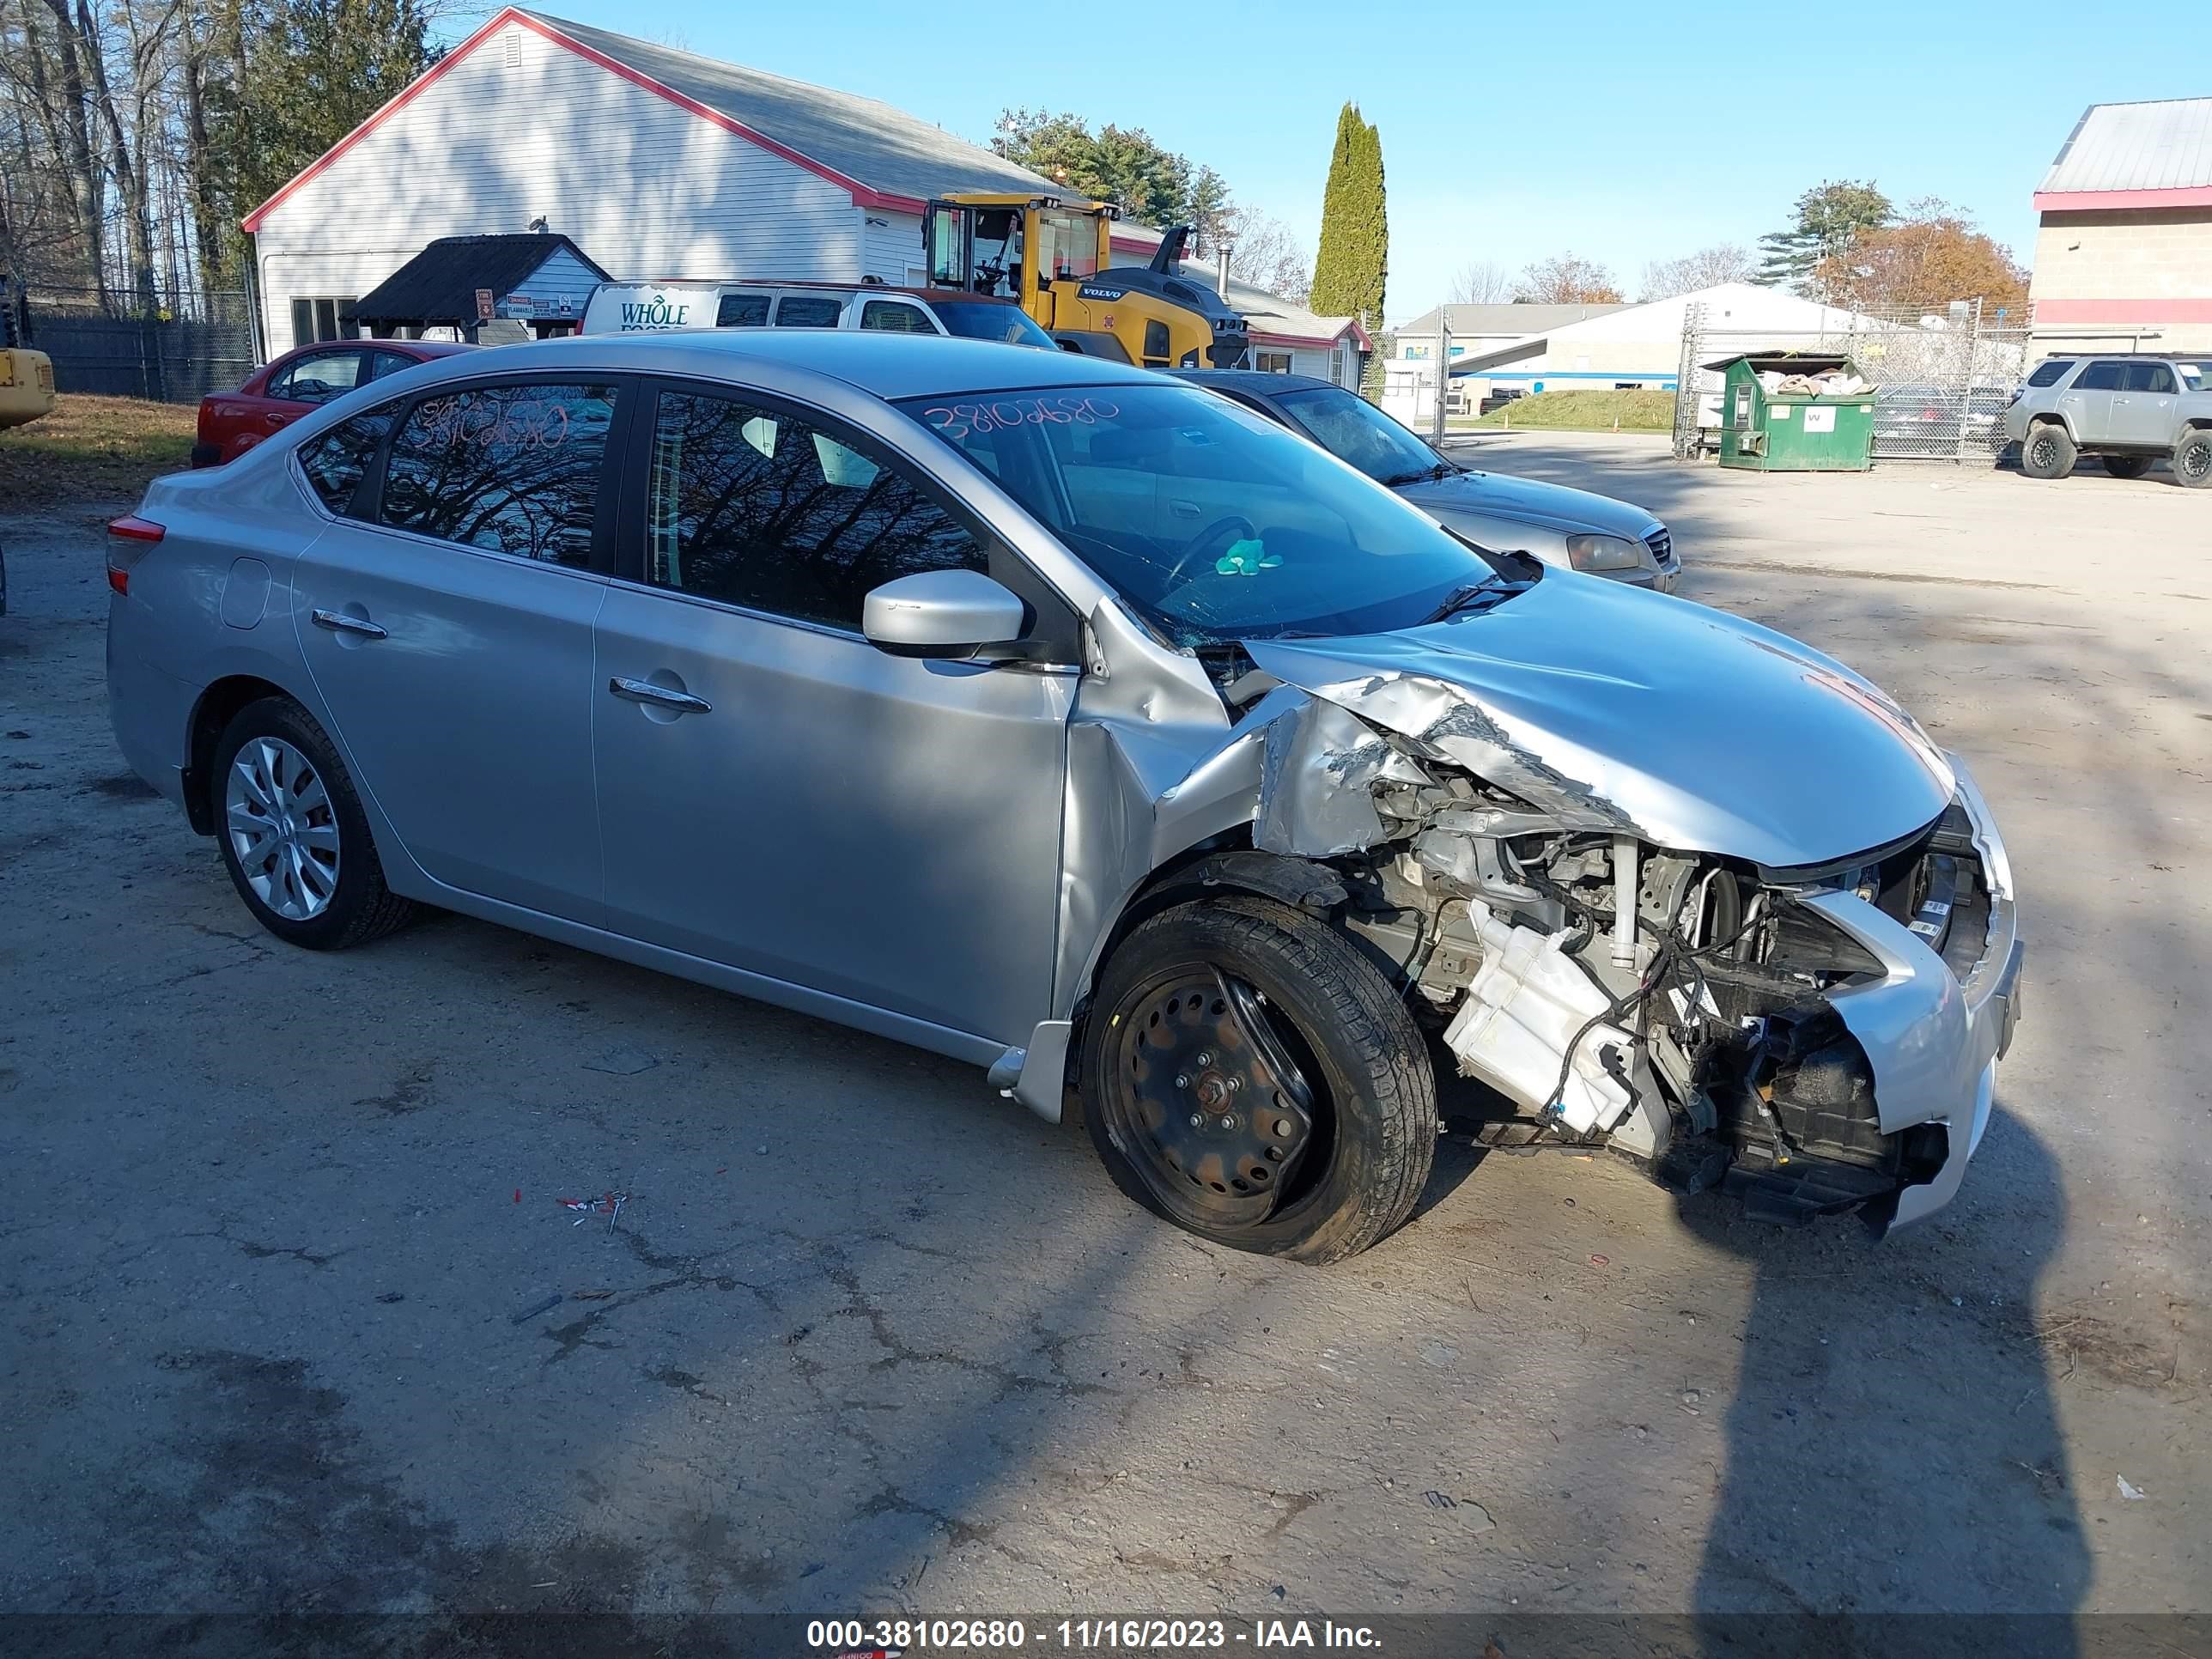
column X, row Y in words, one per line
column 660, row 165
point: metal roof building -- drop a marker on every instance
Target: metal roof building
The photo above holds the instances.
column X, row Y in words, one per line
column 2124, row 255
column 657, row 165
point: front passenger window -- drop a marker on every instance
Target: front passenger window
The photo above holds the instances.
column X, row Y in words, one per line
column 754, row 508
column 511, row 469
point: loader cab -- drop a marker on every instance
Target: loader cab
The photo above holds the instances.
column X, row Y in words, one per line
column 1053, row 257
column 1016, row 247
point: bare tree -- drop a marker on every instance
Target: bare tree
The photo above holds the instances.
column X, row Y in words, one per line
column 1567, row 279
column 1481, row 282
column 1264, row 252
column 1709, row 267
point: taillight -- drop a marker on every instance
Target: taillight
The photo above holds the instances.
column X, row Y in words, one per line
column 128, row 538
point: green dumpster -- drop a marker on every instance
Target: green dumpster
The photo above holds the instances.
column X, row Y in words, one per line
column 1796, row 411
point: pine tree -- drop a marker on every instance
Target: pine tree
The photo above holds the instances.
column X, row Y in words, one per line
column 1826, row 220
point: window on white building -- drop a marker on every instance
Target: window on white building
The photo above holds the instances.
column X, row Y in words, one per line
column 1273, row 363
column 315, row 320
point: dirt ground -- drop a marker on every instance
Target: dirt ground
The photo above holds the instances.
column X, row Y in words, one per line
column 869, row 1338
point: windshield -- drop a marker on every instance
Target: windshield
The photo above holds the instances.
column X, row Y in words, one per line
column 1353, row 430
column 1008, row 324
column 1213, row 522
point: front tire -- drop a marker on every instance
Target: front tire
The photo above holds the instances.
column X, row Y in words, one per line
column 2127, row 467
column 2047, row 451
column 2192, row 459
column 293, row 833
column 1249, row 1075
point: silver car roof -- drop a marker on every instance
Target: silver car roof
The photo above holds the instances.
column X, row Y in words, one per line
column 888, row 365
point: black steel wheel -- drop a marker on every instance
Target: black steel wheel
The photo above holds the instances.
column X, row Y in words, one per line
column 2047, row 451
column 1249, row 1075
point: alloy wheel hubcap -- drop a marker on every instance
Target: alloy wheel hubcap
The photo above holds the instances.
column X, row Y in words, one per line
column 282, row 828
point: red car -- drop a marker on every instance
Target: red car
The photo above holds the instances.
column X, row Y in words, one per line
column 232, row 422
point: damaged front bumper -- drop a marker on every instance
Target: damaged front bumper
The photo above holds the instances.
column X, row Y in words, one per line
column 1935, row 1025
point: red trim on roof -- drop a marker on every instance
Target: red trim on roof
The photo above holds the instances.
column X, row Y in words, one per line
column 2069, row 201
column 406, row 94
column 2122, row 311
column 862, row 195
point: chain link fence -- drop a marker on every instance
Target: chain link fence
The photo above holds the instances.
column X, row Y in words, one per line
column 1942, row 379
column 177, row 355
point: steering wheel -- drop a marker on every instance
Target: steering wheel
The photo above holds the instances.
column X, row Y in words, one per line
column 1220, row 531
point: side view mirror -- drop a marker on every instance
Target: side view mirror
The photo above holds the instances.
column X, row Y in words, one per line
column 942, row 613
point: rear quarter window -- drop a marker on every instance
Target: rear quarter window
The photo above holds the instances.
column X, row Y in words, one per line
column 337, row 462
column 2052, row 373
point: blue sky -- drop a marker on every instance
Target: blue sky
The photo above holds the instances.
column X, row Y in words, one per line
column 1622, row 133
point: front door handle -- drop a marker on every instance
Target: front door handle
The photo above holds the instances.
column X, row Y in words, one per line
column 338, row 622
column 659, row 695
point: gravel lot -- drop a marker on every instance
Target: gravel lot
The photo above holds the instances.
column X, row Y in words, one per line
column 869, row 1337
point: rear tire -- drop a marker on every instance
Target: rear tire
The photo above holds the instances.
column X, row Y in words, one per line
column 293, row 833
column 1335, row 1035
column 2192, row 459
column 2127, row 467
column 2047, row 451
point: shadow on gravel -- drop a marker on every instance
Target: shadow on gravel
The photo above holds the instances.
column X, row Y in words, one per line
column 1878, row 1463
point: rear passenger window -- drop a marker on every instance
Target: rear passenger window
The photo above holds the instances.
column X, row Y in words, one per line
column 2101, row 377
column 337, row 462
column 513, row 468
column 754, row 508
column 896, row 317
column 2050, row 373
column 742, row 311
column 808, row 311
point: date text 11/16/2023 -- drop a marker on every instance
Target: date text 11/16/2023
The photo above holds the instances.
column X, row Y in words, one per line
column 855, row 1638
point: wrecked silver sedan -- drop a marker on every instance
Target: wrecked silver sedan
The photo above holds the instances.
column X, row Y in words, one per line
column 1072, row 721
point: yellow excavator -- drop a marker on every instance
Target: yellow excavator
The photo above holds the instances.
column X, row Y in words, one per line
column 1056, row 258
column 26, row 377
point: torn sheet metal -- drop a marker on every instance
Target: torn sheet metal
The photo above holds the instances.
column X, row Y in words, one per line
column 1623, row 713
column 1317, row 778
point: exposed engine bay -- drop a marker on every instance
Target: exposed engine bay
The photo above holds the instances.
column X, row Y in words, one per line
column 1687, row 1009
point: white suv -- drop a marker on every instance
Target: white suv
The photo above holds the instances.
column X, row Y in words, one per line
column 2126, row 410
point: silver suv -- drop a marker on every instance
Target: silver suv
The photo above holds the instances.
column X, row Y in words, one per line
column 2126, row 410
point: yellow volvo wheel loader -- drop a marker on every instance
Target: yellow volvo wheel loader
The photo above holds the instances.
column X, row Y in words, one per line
column 1056, row 258
column 26, row 377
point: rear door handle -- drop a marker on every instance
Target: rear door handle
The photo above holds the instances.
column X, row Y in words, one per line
column 338, row 622
column 659, row 695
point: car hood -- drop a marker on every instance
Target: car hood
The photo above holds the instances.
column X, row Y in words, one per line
column 1528, row 502
column 1619, row 709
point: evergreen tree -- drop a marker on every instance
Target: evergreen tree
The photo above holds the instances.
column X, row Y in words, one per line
column 1352, row 269
column 316, row 70
column 1826, row 219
